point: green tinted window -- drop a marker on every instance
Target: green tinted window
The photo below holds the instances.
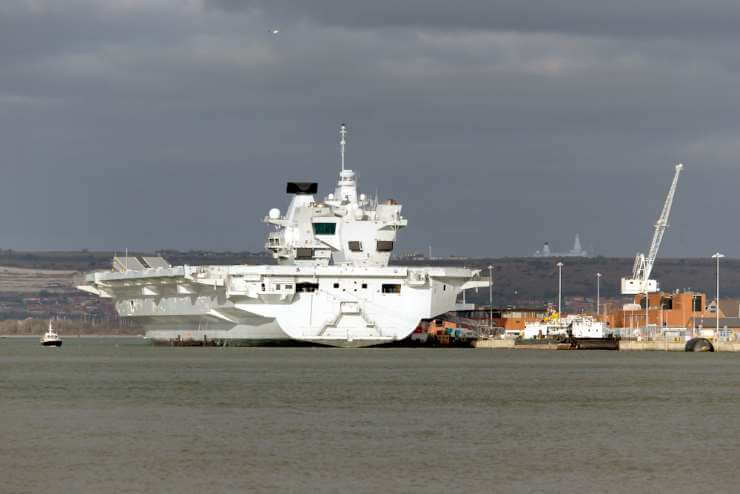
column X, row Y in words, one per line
column 324, row 228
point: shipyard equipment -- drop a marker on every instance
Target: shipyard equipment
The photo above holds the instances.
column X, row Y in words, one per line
column 640, row 281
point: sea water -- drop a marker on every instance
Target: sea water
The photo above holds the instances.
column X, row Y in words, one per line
column 119, row 415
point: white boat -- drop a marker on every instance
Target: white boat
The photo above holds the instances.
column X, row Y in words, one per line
column 332, row 284
column 51, row 338
column 555, row 326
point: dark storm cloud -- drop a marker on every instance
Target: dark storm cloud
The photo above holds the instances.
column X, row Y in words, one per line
column 627, row 17
column 499, row 125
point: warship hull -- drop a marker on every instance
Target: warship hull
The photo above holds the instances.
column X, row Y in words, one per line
column 281, row 305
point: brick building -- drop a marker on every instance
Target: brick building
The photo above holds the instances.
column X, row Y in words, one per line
column 665, row 310
column 510, row 318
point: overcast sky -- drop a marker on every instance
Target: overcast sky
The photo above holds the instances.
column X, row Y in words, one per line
column 498, row 124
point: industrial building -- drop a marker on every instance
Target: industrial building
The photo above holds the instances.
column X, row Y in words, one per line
column 665, row 310
column 510, row 320
column 677, row 310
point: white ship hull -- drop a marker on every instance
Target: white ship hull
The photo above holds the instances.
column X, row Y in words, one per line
column 332, row 284
column 267, row 305
column 205, row 330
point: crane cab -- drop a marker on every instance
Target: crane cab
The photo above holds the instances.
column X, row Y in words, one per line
column 632, row 286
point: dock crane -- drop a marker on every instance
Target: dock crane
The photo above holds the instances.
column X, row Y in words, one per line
column 640, row 281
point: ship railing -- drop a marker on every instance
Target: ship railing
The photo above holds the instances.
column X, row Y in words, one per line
column 655, row 333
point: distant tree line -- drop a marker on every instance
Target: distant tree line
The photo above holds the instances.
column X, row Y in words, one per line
column 115, row 326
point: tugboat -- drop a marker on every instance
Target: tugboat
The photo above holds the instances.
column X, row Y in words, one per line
column 51, row 338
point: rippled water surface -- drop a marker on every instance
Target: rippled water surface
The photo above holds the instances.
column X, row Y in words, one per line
column 118, row 415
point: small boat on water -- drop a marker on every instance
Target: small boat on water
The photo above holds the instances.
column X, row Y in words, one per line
column 573, row 332
column 51, row 338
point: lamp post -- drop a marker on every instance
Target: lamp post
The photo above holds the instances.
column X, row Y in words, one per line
column 598, row 282
column 560, row 289
column 490, row 296
column 716, row 303
column 647, row 313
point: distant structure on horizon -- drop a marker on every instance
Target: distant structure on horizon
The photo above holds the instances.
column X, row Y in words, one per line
column 576, row 251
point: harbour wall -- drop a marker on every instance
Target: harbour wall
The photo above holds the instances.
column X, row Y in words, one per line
column 493, row 343
column 624, row 345
column 658, row 345
column 672, row 346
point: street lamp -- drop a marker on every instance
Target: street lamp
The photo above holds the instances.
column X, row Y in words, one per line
column 598, row 280
column 647, row 313
column 490, row 295
column 716, row 304
column 560, row 288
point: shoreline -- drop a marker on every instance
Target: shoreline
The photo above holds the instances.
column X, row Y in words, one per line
column 75, row 336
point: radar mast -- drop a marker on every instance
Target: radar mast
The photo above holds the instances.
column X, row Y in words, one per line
column 342, row 142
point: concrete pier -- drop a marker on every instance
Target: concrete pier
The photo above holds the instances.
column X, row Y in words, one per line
column 492, row 343
column 672, row 346
column 511, row 345
column 648, row 346
column 624, row 345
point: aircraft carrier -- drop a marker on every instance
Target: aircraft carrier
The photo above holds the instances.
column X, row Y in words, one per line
column 332, row 284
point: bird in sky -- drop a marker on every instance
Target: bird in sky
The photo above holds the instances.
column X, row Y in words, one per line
column 274, row 31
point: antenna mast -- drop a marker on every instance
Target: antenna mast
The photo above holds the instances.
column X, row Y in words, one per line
column 342, row 141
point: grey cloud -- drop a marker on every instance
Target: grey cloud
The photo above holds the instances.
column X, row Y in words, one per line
column 625, row 18
column 172, row 127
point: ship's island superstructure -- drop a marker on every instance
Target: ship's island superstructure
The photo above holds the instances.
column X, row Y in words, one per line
column 331, row 285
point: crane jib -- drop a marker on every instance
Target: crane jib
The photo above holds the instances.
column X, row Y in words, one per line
column 644, row 264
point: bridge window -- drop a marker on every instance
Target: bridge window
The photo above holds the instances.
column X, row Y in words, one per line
column 324, row 228
column 306, row 287
column 355, row 245
column 391, row 288
column 385, row 245
column 304, row 253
